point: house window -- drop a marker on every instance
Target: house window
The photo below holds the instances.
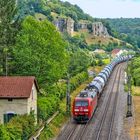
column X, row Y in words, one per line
column 8, row 116
column 10, row 99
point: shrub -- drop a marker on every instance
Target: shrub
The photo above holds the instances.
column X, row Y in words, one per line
column 19, row 128
column 47, row 106
column 4, row 134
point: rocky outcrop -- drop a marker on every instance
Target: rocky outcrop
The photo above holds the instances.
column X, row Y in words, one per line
column 67, row 25
column 83, row 24
column 70, row 26
column 99, row 29
column 64, row 24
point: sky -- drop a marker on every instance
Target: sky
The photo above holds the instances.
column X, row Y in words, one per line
column 109, row 8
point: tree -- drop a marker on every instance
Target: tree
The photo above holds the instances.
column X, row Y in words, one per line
column 40, row 51
column 79, row 61
column 26, row 8
column 100, row 62
column 135, row 70
column 8, row 27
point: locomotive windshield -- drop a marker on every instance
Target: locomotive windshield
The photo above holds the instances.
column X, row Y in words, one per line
column 81, row 103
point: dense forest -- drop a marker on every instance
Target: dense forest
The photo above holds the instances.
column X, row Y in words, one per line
column 55, row 6
column 126, row 29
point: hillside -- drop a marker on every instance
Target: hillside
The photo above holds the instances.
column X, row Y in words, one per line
column 72, row 19
column 101, row 40
column 128, row 29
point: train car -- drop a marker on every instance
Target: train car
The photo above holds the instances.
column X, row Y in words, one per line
column 106, row 73
column 84, row 105
column 100, row 80
column 96, row 85
column 102, row 75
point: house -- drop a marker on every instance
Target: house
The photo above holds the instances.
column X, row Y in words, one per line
column 116, row 53
column 18, row 95
column 100, row 51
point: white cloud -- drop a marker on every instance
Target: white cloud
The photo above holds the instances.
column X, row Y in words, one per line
column 109, row 8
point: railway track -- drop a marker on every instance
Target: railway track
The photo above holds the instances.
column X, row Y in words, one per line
column 114, row 111
column 68, row 131
column 78, row 131
column 109, row 113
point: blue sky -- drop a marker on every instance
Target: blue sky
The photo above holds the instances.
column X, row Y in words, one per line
column 109, row 8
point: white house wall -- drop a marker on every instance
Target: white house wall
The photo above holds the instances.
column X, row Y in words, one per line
column 17, row 106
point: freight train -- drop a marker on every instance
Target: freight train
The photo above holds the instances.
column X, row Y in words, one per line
column 85, row 103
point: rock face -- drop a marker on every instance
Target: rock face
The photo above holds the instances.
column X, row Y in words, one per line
column 99, row 29
column 83, row 24
column 64, row 24
column 60, row 24
column 67, row 25
column 70, row 26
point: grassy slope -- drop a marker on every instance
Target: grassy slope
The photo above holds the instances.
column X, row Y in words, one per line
column 90, row 39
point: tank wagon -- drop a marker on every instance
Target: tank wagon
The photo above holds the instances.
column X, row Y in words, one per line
column 85, row 103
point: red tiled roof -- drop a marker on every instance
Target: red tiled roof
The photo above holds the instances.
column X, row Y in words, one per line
column 115, row 51
column 16, row 87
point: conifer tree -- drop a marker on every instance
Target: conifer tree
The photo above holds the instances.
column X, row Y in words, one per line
column 7, row 31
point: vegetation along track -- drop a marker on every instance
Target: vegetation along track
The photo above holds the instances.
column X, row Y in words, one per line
column 74, row 131
column 105, row 126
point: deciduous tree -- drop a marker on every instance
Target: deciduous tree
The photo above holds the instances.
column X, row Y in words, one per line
column 40, row 51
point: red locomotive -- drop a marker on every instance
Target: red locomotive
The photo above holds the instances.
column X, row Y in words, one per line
column 84, row 105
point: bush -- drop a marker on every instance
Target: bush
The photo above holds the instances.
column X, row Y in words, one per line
column 19, row 128
column 47, row 106
column 77, row 80
column 4, row 134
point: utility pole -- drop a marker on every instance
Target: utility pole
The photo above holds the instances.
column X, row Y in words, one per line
column 68, row 100
column 129, row 98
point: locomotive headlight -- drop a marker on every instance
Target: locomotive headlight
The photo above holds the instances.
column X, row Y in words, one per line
column 76, row 110
column 86, row 110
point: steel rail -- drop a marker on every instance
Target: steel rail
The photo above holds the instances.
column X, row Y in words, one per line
column 114, row 110
column 106, row 107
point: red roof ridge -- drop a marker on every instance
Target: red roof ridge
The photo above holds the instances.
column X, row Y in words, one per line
column 17, row 86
